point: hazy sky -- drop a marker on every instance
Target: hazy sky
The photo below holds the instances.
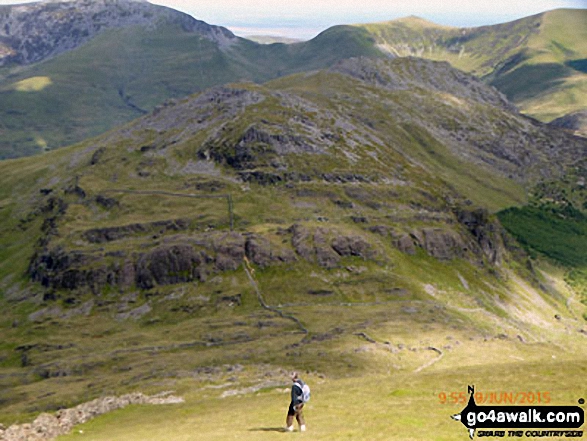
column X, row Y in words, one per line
column 306, row 18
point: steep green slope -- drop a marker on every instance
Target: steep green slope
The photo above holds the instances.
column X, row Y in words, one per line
column 260, row 228
column 538, row 61
column 554, row 224
column 124, row 73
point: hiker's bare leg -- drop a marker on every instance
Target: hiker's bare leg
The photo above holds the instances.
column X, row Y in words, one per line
column 300, row 418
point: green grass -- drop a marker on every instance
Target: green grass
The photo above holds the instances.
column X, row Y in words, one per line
column 536, row 61
column 529, row 81
column 87, row 91
column 400, row 406
column 559, row 237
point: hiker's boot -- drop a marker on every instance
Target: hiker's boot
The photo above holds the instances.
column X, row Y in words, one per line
column 289, row 428
column 303, row 428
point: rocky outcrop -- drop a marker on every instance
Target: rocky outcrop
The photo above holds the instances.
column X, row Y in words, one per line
column 166, row 265
column 323, row 250
column 440, row 243
column 57, row 312
column 47, row 426
column 32, row 32
column 487, row 234
column 480, row 238
column 326, row 247
column 257, row 146
column 184, row 259
column 58, row 268
column 351, row 246
column 300, row 240
column 230, row 251
column 263, row 253
column 102, row 235
column 405, row 244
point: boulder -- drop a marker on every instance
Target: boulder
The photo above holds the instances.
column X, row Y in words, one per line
column 325, row 255
column 351, row 246
column 168, row 264
column 405, row 243
column 230, row 251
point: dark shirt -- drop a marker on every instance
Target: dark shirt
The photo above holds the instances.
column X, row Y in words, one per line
column 296, row 392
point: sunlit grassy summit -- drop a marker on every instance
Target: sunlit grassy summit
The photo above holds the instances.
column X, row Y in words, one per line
column 538, row 61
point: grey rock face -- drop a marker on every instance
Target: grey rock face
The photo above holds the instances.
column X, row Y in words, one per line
column 439, row 76
column 481, row 238
column 166, row 265
column 443, row 245
column 36, row 31
column 351, row 246
column 183, row 259
column 325, row 255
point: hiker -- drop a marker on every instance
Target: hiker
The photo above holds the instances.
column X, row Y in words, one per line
column 300, row 393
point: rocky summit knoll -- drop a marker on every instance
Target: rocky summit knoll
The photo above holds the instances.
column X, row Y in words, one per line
column 245, row 223
column 36, row 31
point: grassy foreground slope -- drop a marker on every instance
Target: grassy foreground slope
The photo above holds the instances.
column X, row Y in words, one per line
column 538, row 61
column 364, row 247
column 397, row 406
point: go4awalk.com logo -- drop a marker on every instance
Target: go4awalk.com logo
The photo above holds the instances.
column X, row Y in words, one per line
column 544, row 421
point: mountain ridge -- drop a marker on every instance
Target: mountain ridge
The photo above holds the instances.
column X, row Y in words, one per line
column 534, row 60
column 82, row 90
column 100, row 84
column 34, row 32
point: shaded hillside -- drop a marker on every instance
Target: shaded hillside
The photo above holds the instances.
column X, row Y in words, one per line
column 538, row 61
column 574, row 122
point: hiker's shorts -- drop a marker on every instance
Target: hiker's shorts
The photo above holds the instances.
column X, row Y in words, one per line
column 291, row 410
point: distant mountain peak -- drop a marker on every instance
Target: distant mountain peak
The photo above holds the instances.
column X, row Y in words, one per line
column 32, row 32
column 414, row 20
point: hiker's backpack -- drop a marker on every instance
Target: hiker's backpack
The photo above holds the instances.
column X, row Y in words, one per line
column 305, row 396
